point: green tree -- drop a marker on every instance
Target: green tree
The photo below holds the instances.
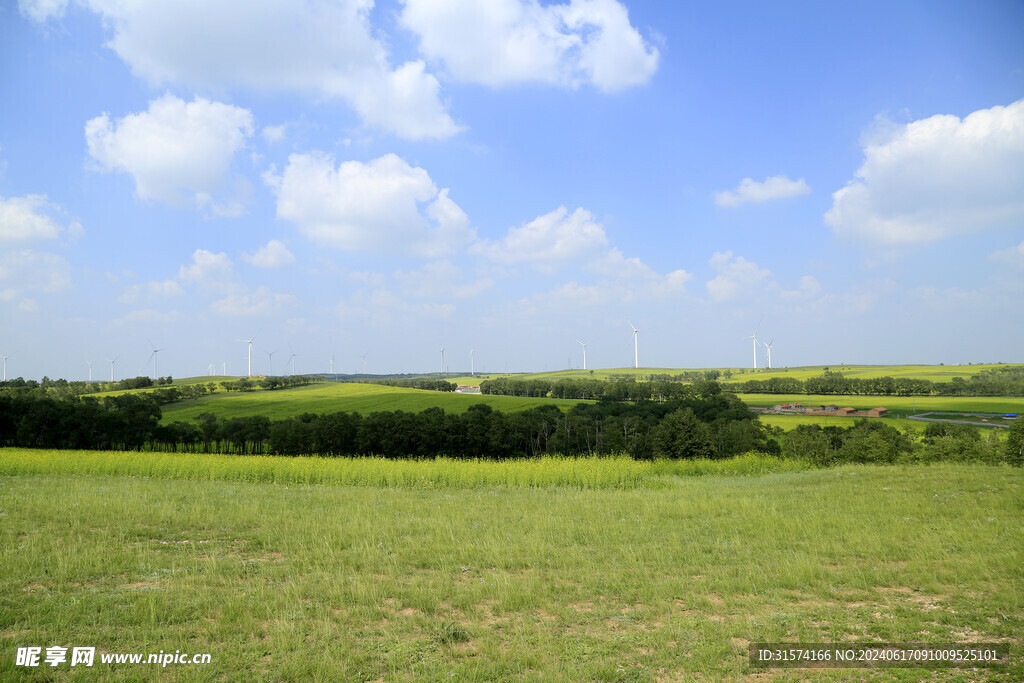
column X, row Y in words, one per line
column 1014, row 447
column 682, row 435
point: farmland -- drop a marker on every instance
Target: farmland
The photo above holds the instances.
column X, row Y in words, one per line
column 337, row 397
column 657, row 577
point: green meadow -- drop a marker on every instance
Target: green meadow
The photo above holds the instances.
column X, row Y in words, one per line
column 332, row 397
column 625, row 575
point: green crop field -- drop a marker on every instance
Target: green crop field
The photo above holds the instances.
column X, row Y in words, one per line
column 938, row 373
column 336, row 397
column 487, row 578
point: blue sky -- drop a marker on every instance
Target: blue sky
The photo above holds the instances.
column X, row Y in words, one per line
column 387, row 178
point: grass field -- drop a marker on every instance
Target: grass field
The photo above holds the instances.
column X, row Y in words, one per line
column 667, row 579
column 336, row 397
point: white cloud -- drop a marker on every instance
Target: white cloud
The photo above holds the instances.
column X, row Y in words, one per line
column 808, row 288
column 208, row 270
column 519, row 41
column 273, row 254
column 734, row 275
column 274, row 134
column 177, row 152
column 441, row 280
column 1013, row 255
column 751, row 191
column 935, row 178
column 150, row 290
column 25, row 269
column 322, row 48
column 384, row 205
column 42, row 10
column 28, row 218
column 243, row 302
column 548, row 240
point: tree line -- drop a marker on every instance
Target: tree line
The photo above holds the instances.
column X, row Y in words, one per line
column 713, row 425
column 596, row 390
column 1008, row 381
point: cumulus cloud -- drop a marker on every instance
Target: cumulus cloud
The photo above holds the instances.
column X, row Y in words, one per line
column 752, row 192
column 734, row 274
column 273, row 254
column 208, row 270
column 31, row 218
column 554, row 238
column 934, row 178
column 1013, row 255
column 384, row 205
column 177, row 152
column 520, row 41
column 322, row 48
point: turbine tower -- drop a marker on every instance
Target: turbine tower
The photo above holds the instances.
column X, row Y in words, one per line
column 636, row 348
column 472, row 369
column 270, row 362
column 5, row 364
column 364, row 363
column 89, row 363
column 442, row 360
column 292, row 359
column 584, row 345
column 754, row 338
column 153, row 357
column 768, row 347
column 332, row 363
column 249, row 342
column 112, row 361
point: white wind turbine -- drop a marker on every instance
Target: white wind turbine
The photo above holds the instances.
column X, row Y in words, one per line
column 364, row 363
column 754, row 338
column 332, row 363
column 270, row 362
column 249, row 342
column 89, row 363
column 153, row 357
column 472, row 369
column 584, row 345
column 291, row 359
column 112, row 361
column 442, row 360
column 768, row 347
column 5, row 364
column 636, row 348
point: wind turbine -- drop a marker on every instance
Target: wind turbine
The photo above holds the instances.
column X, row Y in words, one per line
column 153, row 357
column 89, row 363
column 768, row 346
column 472, row 370
column 364, row 363
column 249, row 342
column 584, row 345
column 112, row 361
column 442, row 360
column 636, row 348
column 292, row 359
column 332, row 363
column 270, row 362
column 5, row 364
column 754, row 338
